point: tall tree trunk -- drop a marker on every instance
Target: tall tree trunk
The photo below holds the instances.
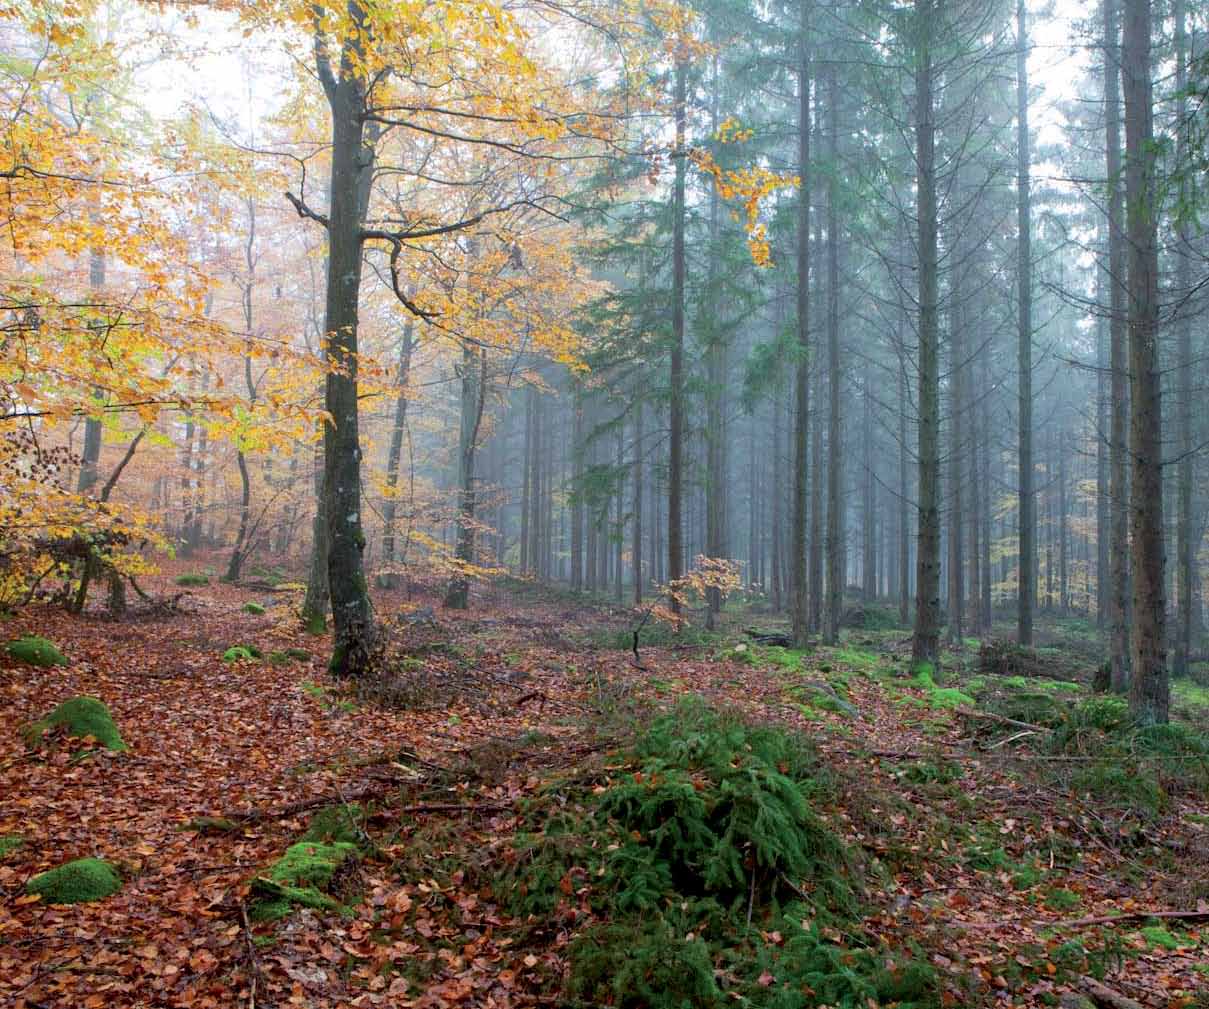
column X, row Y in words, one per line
column 904, row 478
column 1148, row 695
column 352, row 154
column 675, row 526
column 801, row 616
column 836, row 523
column 577, row 506
column 394, row 454
column 636, row 560
column 474, row 395
column 241, row 548
column 1185, row 552
column 926, row 641
column 1118, row 485
column 1102, row 452
column 1024, row 224
column 91, row 457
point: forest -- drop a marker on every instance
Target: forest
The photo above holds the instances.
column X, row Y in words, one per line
column 652, row 504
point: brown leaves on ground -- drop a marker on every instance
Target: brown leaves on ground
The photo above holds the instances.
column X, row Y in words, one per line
column 210, row 738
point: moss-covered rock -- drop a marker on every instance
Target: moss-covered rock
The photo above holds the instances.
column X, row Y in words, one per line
column 36, row 651
column 305, row 876
column 78, row 717
column 84, row 879
column 242, row 653
column 193, row 579
column 9, row 843
column 254, row 608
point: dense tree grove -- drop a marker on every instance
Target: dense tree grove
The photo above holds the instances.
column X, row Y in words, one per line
column 883, row 304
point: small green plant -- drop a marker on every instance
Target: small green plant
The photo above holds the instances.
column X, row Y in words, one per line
column 78, row 718
column 85, row 879
column 1062, row 900
column 254, row 608
column 192, row 579
column 35, row 651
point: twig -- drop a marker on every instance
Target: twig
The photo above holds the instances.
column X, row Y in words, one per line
column 986, row 716
column 1112, row 919
column 253, row 982
column 1013, row 738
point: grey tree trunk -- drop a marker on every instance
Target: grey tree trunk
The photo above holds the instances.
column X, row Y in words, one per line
column 1118, row 485
column 1027, row 504
column 636, row 560
column 675, row 546
column 474, row 395
column 925, row 646
column 351, row 174
column 394, row 455
column 801, row 421
column 1149, row 689
column 90, row 458
column 241, row 548
column 836, row 545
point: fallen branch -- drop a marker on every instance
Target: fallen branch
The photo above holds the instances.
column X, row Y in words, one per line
column 1106, row 996
column 987, row 716
column 253, row 960
column 1112, row 919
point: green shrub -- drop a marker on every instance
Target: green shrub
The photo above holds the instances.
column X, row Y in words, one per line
column 85, row 879
column 78, row 717
column 193, row 579
column 35, row 651
column 1062, row 900
column 254, row 608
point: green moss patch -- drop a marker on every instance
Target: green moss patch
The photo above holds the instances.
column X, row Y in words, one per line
column 242, row 653
column 193, row 579
column 35, row 651
column 309, row 874
column 1159, row 937
column 76, row 882
column 79, row 717
column 9, row 843
column 338, row 824
column 254, row 608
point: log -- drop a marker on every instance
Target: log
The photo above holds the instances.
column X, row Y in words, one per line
column 1105, row 996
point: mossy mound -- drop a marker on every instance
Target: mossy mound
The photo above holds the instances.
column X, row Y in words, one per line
column 35, row 651
column 307, row 875
column 78, row 717
column 9, row 843
column 75, row 882
column 282, row 657
column 254, row 608
column 242, row 653
column 193, row 579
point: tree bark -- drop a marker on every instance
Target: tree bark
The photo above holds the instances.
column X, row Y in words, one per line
column 394, row 454
column 675, row 547
column 926, row 641
column 801, row 615
column 474, row 390
column 1027, row 579
column 1148, row 696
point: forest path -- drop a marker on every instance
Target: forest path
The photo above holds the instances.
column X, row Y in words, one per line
column 981, row 858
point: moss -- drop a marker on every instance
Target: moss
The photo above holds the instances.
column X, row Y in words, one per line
column 9, row 843
column 79, row 717
column 314, row 623
column 301, row 878
column 84, row 879
column 948, row 697
column 193, row 579
column 242, row 653
column 254, row 608
column 36, row 651
column 1161, row 938
column 211, row 825
column 298, row 654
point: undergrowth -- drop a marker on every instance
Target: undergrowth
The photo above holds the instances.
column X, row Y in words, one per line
column 707, row 875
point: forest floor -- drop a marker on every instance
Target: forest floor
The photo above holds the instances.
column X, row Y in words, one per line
column 986, row 853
